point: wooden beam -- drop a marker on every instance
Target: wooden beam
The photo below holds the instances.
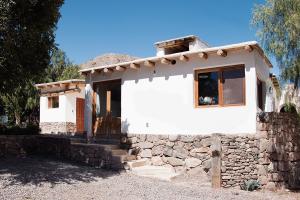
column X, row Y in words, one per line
column 248, row 48
column 107, row 70
column 149, row 63
column 203, row 55
column 166, row 61
column 120, row 68
column 222, row 53
column 134, row 66
column 184, row 58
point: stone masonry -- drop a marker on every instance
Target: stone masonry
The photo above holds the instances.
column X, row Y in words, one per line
column 68, row 128
column 271, row 156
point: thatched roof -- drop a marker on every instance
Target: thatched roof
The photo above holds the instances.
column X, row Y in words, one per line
column 107, row 59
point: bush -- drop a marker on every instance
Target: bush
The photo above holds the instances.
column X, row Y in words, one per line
column 16, row 130
column 250, row 185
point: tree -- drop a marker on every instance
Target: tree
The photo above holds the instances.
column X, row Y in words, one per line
column 26, row 40
column 278, row 24
column 61, row 68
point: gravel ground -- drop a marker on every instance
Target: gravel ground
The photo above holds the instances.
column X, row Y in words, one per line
column 40, row 178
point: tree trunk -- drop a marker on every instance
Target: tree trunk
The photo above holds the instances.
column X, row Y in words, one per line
column 18, row 118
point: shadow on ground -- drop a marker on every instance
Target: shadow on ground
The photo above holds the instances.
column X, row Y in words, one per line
column 38, row 170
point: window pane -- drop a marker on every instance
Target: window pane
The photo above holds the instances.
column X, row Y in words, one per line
column 233, row 86
column 208, row 88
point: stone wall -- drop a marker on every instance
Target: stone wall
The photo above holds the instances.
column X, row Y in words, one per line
column 95, row 155
column 179, row 152
column 68, row 128
column 279, row 150
column 272, row 156
column 239, row 159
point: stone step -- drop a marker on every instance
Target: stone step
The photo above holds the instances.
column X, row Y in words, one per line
column 119, row 152
column 135, row 163
column 158, row 172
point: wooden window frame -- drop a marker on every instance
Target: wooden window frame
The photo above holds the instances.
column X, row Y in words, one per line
column 220, row 71
column 50, row 102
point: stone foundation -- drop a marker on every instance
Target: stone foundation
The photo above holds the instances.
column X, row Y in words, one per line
column 68, row 128
column 271, row 156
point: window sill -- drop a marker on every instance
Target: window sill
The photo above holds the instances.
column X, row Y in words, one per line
column 220, row 106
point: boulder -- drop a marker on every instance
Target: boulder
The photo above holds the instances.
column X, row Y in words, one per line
column 157, row 161
column 175, row 161
column 146, row 153
column 192, row 162
column 145, row 145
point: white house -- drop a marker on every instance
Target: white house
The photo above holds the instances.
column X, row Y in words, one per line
column 188, row 88
column 62, row 106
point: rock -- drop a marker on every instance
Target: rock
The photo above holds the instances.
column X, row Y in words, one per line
column 192, row 162
column 146, row 153
column 175, row 161
column 170, row 144
column 263, row 145
column 132, row 140
column 261, row 170
column 180, row 152
column 152, row 138
column 157, row 161
column 187, row 138
column 272, row 167
column 142, row 138
column 206, row 142
column 157, row 150
column 263, row 180
column 168, row 151
column 270, row 186
column 200, row 150
column 173, row 138
column 145, row 145
column 207, row 164
column 226, row 177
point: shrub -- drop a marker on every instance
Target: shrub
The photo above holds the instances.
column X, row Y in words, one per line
column 250, row 185
column 16, row 130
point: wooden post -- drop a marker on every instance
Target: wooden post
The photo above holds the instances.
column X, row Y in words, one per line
column 216, row 161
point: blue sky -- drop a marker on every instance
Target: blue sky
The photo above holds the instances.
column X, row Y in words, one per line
column 94, row 27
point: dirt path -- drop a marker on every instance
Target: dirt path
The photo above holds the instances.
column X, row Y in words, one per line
column 36, row 178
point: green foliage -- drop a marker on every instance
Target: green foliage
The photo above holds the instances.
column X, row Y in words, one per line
column 250, row 185
column 61, row 68
column 16, row 130
column 278, row 23
column 26, row 40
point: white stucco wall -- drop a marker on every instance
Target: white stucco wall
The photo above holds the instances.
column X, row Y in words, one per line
column 163, row 102
column 66, row 112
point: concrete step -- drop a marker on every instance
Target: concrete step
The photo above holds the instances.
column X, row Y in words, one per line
column 119, row 152
column 129, row 165
column 158, row 172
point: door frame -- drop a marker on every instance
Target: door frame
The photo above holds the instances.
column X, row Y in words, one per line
column 94, row 100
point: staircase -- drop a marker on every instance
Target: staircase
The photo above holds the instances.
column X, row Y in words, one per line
column 109, row 153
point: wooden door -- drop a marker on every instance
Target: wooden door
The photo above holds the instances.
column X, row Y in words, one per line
column 79, row 115
column 107, row 109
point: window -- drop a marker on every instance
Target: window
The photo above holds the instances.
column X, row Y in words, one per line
column 260, row 94
column 53, row 102
column 220, row 86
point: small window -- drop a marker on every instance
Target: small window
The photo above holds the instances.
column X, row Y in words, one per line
column 221, row 86
column 53, row 102
column 260, row 94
